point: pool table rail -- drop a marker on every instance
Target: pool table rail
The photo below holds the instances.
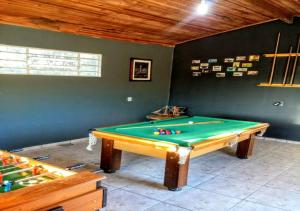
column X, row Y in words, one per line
column 142, row 146
column 220, row 142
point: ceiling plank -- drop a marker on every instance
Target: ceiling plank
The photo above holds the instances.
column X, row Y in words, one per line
column 167, row 22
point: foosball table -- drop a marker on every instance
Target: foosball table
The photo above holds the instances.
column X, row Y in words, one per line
column 27, row 184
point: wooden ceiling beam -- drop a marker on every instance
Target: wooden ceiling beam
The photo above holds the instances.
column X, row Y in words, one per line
column 167, row 22
column 276, row 9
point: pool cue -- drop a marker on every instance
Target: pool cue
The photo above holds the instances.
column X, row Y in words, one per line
column 171, row 125
column 274, row 60
column 295, row 63
column 287, row 66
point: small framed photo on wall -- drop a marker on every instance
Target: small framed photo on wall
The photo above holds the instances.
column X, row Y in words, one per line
column 140, row 69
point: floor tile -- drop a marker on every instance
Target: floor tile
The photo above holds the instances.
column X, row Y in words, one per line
column 287, row 181
column 284, row 199
column 196, row 177
column 165, row 207
column 250, row 206
column 123, row 178
column 229, row 187
column 153, row 188
column 256, row 174
column 121, row 200
column 196, row 199
column 216, row 181
column 151, row 167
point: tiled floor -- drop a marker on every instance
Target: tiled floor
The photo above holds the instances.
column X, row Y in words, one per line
column 270, row 180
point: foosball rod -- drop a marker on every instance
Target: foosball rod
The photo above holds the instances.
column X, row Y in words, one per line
column 35, row 176
column 17, row 171
column 274, row 60
column 287, row 66
column 295, row 63
column 5, row 168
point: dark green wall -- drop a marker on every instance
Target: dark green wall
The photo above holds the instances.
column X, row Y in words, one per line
column 42, row 109
column 240, row 98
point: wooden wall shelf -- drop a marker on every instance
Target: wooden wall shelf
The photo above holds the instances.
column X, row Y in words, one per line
column 280, row 85
column 271, row 55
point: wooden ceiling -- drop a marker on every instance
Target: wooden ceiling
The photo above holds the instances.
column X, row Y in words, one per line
column 164, row 22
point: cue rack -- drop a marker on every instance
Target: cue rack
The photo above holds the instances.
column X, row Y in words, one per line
column 289, row 76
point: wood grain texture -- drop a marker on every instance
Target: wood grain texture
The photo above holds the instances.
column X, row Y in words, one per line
column 48, row 194
column 88, row 202
column 167, row 22
column 245, row 148
column 176, row 174
column 279, row 85
column 110, row 157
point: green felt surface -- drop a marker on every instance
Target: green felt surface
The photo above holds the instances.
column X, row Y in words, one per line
column 190, row 134
column 14, row 177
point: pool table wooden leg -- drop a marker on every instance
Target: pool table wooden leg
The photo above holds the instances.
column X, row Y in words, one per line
column 245, row 148
column 175, row 174
column 110, row 157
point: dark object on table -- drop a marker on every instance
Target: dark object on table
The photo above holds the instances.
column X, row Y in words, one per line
column 167, row 112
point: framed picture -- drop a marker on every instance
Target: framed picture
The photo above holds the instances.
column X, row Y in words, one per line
column 236, row 64
column 220, row 75
column 195, row 68
column 230, row 69
column 254, row 58
column 217, row 68
column 140, row 69
column 204, row 65
column 247, row 65
column 240, row 58
column 196, row 74
column 242, row 69
column 212, row 60
column 196, row 61
column 238, row 74
column 252, row 72
column 228, row 60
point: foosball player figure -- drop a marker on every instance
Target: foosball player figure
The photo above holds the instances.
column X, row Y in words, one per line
column 1, row 178
column 37, row 170
column 5, row 161
column 16, row 160
column 7, row 185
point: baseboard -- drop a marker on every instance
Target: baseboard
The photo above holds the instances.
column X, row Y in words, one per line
column 44, row 146
column 278, row 140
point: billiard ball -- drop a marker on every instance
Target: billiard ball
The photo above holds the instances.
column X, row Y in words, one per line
column 191, row 122
column 156, row 133
column 23, row 174
column 178, row 131
column 163, row 132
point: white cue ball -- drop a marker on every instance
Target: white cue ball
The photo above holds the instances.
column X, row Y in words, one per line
column 191, row 122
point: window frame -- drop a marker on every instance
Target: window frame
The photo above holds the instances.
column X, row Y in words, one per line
column 98, row 74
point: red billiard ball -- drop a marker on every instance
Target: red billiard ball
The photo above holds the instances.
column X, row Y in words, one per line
column 162, row 132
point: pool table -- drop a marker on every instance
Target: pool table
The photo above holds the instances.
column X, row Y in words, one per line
column 199, row 135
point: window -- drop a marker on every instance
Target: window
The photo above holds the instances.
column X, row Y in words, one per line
column 33, row 61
